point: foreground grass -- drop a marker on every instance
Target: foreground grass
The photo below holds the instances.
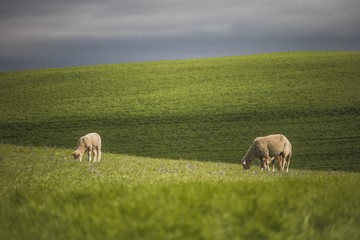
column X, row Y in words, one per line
column 45, row 195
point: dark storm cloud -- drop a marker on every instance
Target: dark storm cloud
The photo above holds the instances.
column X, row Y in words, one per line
column 47, row 33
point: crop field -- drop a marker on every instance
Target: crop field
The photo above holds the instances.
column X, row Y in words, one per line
column 173, row 135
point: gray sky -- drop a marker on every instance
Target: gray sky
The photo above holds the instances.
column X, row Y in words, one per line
column 57, row 33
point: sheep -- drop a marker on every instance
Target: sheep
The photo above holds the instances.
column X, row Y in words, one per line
column 90, row 143
column 268, row 149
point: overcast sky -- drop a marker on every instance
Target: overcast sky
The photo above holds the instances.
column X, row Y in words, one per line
column 57, row 33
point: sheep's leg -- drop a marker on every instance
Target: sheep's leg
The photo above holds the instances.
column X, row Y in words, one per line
column 287, row 164
column 89, row 155
column 99, row 154
column 267, row 164
column 279, row 163
column 94, row 155
column 278, row 160
column 282, row 164
column 272, row 162
column 263, row 163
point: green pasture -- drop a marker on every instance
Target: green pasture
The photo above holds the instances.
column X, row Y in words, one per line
column 46, row 195
column 173, row 135
column 204, row 109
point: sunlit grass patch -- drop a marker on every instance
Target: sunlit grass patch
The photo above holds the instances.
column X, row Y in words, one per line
column 45, row 194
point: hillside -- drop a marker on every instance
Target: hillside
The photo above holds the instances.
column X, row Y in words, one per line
column 203, row 109
column 45, row 195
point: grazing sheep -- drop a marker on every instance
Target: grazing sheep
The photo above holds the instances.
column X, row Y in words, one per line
column 268, row 149
column 90, row 143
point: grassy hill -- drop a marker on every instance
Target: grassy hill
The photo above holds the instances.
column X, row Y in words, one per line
column 173, row 133
column 45, row 195
column 203, row 109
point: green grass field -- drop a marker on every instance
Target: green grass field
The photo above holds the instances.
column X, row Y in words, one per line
column 173, row 135
column 206, row 109
column 45, row 195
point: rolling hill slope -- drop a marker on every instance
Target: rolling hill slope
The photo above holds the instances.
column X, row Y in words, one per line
column 45, row 195
column 203, row 109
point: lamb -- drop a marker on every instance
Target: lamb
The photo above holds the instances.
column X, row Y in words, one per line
column 90, row 143
column 268, row 149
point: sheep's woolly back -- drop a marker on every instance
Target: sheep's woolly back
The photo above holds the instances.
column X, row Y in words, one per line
column 92, row 139
column 272, row 145
column 89, row 140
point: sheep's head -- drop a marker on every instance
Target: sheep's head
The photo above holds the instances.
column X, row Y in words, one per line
column 246, row 164
column 76, row 155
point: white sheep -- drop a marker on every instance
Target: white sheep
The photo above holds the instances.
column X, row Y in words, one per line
column 268, row 149
column 90, row 143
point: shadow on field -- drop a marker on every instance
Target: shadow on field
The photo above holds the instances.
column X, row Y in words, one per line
column 223, row 138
